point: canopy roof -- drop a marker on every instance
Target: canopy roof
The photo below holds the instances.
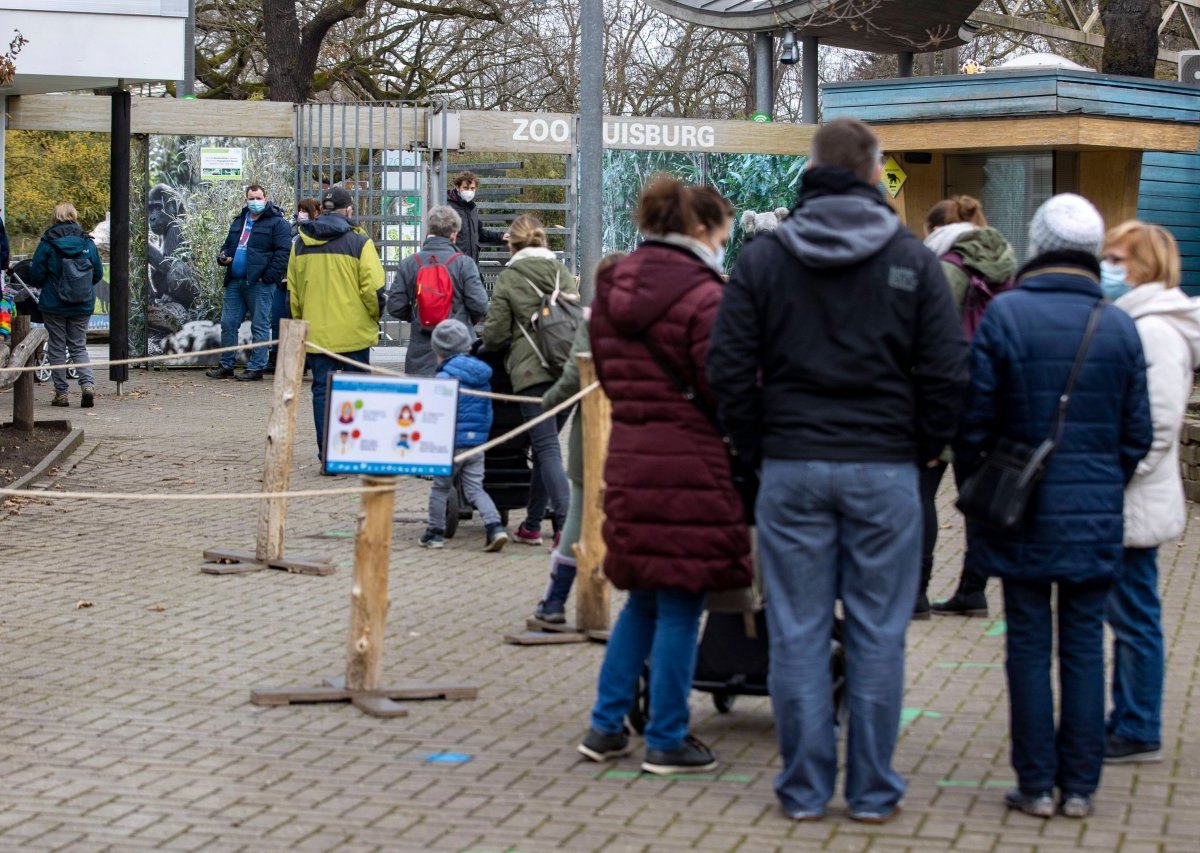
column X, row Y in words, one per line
column 875, row 25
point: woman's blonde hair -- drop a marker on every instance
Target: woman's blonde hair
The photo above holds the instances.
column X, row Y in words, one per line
column 1153, row 254
column 64, row 211
column 526, row 231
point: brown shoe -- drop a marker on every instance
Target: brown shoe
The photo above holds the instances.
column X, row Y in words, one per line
column 876, row 818
column 60, row 400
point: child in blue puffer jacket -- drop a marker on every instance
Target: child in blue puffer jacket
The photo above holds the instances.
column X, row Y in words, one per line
column 451, row 341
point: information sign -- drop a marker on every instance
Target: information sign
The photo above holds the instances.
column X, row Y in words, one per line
column 893, row 176
column 220, row 164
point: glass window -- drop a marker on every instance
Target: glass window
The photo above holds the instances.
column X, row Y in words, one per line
column 1011, row 187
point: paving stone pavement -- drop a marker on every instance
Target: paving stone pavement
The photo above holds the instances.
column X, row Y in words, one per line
column 127, row 725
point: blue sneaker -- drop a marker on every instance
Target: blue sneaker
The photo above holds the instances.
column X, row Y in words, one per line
column 433, row 537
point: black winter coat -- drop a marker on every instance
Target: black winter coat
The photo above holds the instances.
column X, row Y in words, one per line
column 267, row 249
column 472, row 234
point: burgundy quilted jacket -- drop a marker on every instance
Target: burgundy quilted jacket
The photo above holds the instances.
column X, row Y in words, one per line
column 674, row 520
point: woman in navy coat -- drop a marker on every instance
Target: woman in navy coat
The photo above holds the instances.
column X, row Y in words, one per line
column 1021, row 358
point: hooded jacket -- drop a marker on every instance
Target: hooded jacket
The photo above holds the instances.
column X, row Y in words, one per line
column 474, row 413
column 516, row 297
column 837, row 338
column 984, row 250
column 472, row 234
column 469, row 306
column 63, row 239
column 1021, row 358
column 1168, row 323
column 266, row 247
column 673, row 519
column 334, row 279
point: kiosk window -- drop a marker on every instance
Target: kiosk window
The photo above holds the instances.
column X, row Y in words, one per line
column 1011, row 186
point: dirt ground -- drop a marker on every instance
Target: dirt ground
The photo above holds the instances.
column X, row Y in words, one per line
column 20, row 451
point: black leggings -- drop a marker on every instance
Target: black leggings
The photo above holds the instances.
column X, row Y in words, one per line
column 931, row 479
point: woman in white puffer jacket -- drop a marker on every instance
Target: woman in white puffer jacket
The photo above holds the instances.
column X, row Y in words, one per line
column 1140, row 272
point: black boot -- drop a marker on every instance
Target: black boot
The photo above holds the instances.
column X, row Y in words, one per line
column 969, row 599
column 553, row 608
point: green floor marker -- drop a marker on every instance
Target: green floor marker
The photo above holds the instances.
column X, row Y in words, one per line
column 996, row 629
column 910, row 715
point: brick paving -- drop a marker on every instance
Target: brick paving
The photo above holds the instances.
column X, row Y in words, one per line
column 127, row 725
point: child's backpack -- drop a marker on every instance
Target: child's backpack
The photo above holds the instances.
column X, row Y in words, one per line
column 554, row 324
column 74, row 283
column 979, row 293
column 435, row 290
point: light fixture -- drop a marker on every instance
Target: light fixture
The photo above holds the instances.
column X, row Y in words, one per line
column 789, row 51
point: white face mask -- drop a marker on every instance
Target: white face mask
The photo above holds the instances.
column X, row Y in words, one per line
column 467, row 195
column 302, row 216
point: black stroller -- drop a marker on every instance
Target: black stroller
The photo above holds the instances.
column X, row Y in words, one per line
column 25, row 300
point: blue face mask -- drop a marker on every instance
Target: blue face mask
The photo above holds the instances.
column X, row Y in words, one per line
column 256, row 205
column 1112, row 281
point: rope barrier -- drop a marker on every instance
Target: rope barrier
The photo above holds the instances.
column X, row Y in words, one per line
column 29, row 368
column 383, row 371
column 528, row 425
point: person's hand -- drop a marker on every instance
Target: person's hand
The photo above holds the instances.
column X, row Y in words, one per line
column 224, row 259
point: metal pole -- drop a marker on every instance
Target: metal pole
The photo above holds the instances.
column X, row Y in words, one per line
column 591, row 142
column 764, row 73
column 905, row 61
column 118, row 271
column 187, row 86
column 810, row 92
column 3, row 133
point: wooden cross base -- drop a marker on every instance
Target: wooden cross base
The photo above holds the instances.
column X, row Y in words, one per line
column 231, row 561
column 539, row 633
column 378, row 702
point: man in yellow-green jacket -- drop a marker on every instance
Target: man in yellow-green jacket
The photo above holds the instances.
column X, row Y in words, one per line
column 335, row 282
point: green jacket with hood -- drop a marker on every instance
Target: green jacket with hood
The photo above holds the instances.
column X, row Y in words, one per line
column 516, row 297
column 984, row 250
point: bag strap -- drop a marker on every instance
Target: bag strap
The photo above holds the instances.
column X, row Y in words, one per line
column 1060, row 416
column 541, row 358
column 688, row 391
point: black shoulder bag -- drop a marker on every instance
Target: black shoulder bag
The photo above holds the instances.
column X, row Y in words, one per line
column 998, row 494
column 744, row 477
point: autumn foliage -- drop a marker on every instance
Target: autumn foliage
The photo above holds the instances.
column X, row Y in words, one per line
column 44, row 168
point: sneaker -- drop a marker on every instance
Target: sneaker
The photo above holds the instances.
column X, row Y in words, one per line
column 433, row 537
column 250, row 376
column 554, row 612
column 1123, row 750
column 528, row 537
column 89, row 397
column 601, row 746
column 497, row 537
column 60, row 400
column 876, row 818
column 691, row 757
column 962, row 604
column 1077, row 806
column 1038, row 805
column 921, row 611
column 219, row 372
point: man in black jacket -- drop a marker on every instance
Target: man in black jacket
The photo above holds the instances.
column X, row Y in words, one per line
column 255, row 257
column 472, row 234
column 839, row 363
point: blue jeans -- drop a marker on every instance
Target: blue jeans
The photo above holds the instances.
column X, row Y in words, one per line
column 1135, row 614
column 239, row 300
column 548, row 486
column 321, row 366
column 281, row 309
column 1072, row 756
column 661, row 625
column 828, row 530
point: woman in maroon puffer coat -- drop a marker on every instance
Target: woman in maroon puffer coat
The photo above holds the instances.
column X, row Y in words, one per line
column 675, row 527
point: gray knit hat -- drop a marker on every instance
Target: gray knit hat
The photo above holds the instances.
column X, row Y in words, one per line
column 1066, row 222
column 450, row 337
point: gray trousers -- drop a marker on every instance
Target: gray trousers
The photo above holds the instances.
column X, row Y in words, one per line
column 68, row 333
column 470, row 473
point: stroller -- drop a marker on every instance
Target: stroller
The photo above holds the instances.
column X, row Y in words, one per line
column 25, row 299
column 732, row 661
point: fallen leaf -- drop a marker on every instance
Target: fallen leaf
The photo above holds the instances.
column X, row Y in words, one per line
column 83, row 604
column 156, row 608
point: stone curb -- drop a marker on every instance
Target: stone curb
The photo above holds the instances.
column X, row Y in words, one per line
column 61, row 451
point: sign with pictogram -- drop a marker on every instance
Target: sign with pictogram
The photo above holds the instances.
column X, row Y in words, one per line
column 893, row 176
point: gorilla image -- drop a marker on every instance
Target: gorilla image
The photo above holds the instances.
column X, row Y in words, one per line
column 170, row 279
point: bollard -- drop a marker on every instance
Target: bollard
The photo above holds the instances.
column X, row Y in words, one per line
column 23, row 390
column 592, row 590
column 281, row 437
column 369, row 600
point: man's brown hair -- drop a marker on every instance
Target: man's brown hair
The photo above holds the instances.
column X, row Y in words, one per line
column 850, row 144
column 467, row 177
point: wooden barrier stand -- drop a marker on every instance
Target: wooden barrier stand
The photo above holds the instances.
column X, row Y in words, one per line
column 25, row 342
column 592, row 589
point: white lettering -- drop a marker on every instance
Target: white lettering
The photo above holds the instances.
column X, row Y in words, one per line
column 687, row 138
column 539, row 130
column 653, row 133
column 669, row 140
column 560, row 131
column 612, row 133
column 637, row 134
column 706, row 136
column 521, row 134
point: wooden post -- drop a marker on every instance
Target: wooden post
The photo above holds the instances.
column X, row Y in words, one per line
column 592, row 590
column 369, row 600
column 281, row 434
column 23, row 390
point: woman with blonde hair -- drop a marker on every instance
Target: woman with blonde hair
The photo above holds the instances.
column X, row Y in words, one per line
column 66, row 266
column 533, row 271
column 1140, row 273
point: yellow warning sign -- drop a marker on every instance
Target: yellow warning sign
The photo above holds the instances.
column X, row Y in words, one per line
column 893, row 176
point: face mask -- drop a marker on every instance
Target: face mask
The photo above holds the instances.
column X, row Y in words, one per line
column 467, row 195
column 257, row 205
column 719, row 257
column 302, row 216
column 1112, row 281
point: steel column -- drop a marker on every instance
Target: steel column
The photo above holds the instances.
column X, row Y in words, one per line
column 810, row 93
column 118, row 270
column 764, row 73
column 591, row 142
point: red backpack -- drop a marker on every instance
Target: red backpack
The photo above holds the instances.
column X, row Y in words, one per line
column 435, row 290
column 978, row 295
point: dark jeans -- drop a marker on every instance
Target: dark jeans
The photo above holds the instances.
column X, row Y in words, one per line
column 931, row 479
column 548, row 486
column 238, row 300
column 1072, row 755
column 281, row 309
column 970, row 581
column 321, row 366
column 1135, row 614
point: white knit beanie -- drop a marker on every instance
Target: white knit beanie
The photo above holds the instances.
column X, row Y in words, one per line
column 1066, row 222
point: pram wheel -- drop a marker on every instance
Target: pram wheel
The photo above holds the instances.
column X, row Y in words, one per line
column 452, row 513
column 41, row 360
column 723, row 702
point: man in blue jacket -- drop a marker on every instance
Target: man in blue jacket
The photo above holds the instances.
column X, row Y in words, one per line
column 839, row 362
column 255, row 257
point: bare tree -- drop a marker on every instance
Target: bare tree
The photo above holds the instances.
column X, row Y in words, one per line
column 1130, row 36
